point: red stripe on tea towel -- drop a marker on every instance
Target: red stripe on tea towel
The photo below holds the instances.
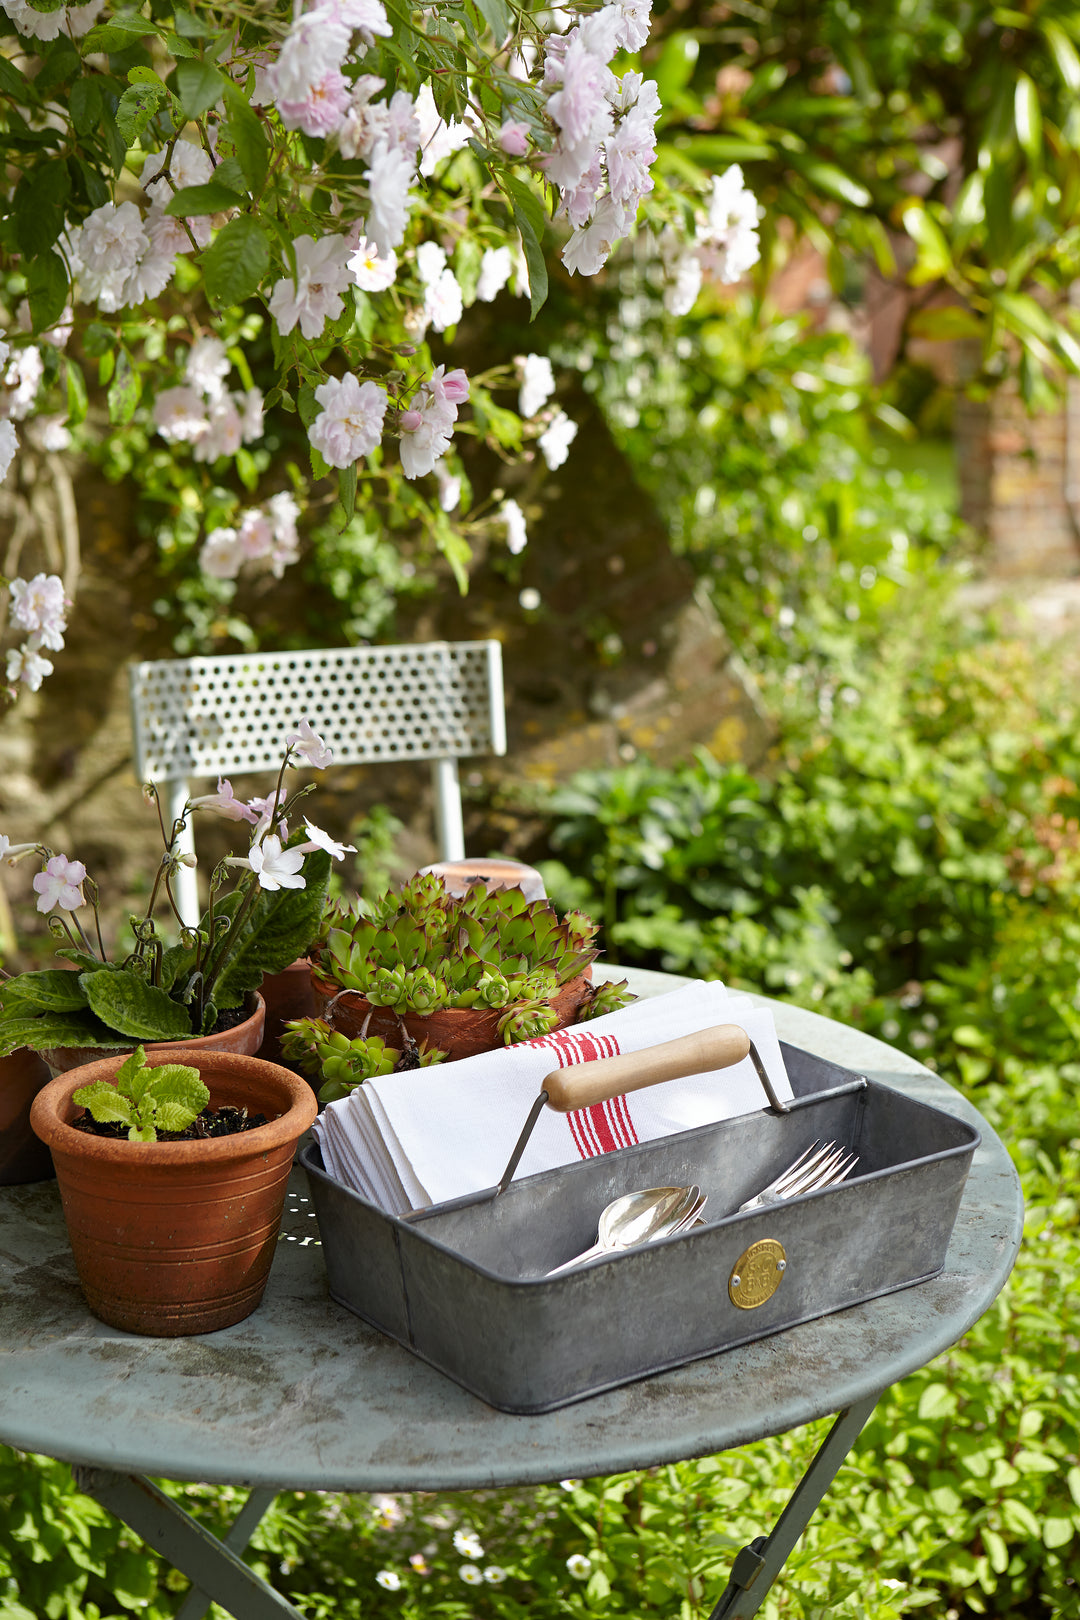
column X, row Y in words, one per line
column 605, row 1126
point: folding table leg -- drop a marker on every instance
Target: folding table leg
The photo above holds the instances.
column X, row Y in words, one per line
column 757, row 1566
column 214, row 1567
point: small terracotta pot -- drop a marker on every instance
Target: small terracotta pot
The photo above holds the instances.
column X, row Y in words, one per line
column 22, row 1157
column 245, row 1038
column 287, row 995
column 496, row 875
column 172, row 1238
column 461, row 1032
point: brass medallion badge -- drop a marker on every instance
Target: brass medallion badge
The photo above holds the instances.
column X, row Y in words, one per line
column 757, row 1275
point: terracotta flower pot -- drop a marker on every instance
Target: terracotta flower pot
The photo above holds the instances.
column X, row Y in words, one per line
column 288, row 994
column 245, row 1038
column 461, row 1032
column 173, row 1238
column 22, row 1157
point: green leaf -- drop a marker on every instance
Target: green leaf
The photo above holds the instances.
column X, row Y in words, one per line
column 49, row 1030
column 118, row 33
column 45, row 5
column 130, row 1076
column 236, row 261
column 77, row 402
column 497, row 16
column 534, row 258
column 179, row 1093
column 833, row 182
column 84, row 104
column 199, row 87
column 1057, row 1531
column 1028, row 118
column 14, row 83
column 47, row 990
column 937, row 1401
column 934, row 257
column 125, row 390
column 279, row 927
column 347, row 490
column 941, row 325
column 212, row 198
column 46, row 290
column 1019, row 1518
column 526, row 202
column 128, row 1004
column 996, row 1549
column 190, row 26
column 38, row 206
column 1063, row 51
column 136, row 108
column 105, row 1103
column 252, row 148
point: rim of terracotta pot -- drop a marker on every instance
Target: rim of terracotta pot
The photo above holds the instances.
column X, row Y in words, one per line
column 54, row 1055
column 324, row 985
column 52, row 1110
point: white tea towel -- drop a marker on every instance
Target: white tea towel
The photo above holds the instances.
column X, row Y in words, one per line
column 408, row 1140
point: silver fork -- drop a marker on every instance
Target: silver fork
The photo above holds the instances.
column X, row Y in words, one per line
column 822, row 1165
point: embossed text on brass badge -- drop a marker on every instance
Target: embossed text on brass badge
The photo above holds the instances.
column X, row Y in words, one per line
column 757, row 1274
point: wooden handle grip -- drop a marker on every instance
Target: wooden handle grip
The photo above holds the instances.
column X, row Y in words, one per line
column 584, row 1084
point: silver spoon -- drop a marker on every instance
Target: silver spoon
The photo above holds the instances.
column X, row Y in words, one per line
column 634, row 1218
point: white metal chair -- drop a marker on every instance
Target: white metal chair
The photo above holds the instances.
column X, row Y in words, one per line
column 207, row 717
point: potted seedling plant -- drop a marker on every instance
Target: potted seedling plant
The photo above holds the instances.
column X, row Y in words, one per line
column 173, row 1179
column 432, row 974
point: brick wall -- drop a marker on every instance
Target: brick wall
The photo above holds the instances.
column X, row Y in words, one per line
column 1014, row 473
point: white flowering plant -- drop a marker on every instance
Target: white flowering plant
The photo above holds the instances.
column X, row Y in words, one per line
column 37, row 614
column 159, row 991
column 241, row 214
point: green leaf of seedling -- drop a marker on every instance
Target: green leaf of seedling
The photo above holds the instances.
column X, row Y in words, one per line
column 127, row 1075
column 236, row 261
column 178, row 1093
column 199, row 86
column 105, row 1103
column 135, row 1008
column 77, row 401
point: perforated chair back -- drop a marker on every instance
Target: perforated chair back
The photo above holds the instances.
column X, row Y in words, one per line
column 206, row 717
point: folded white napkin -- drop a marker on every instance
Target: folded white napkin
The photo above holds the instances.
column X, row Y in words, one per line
column 404, row 1141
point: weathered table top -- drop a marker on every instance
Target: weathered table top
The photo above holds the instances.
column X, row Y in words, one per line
column 303, row 1395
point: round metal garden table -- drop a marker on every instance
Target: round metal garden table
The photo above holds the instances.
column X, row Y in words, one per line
column 303, row 1395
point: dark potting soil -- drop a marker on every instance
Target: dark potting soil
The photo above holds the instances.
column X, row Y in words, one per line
column 230, row 1018
column 227, row 1121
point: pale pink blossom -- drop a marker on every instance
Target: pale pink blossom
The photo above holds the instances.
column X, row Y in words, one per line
column 537, row 384
column 74, row 20
column 449, row 487
column 221, row 555
column 40, row 606
column 364, row 17
column 60, row 884
column 315, row 296
column 514, row 138
column 189, row 165
column 599, row 33
column 390, row 174
column 580, row 105
column 112, row 238
column 256, row 534
column 587, row 250
column 372, row 271
column 630, row 153
column 275, row 867
column 180, row 415
column 350, row 423
column 430, row 262
column 513, row 517
column 250, row 406
column 449, row 389
column 321, row 840
column 26, row 664
column 224, row 433
column 56, row 335
column 422, row 443
column 309, row 747
column 206, row 367
column 682, row 273
column 438, row 139
column 267, row 811
column 14, row 853
column 149, row 279
column 225, row 803
column 579, row 202
column 443, row 304
column 636, row 21
column 495, row 268
column 322, row 110
column 731, row 224
column 23, row 379
column 314, row 46
column 9, row 444
column 556, row 439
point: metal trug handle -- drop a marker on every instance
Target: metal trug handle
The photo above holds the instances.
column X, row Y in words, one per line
column 583, row 1084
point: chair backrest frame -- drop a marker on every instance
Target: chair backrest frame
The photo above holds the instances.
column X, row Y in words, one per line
column 206, row 717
